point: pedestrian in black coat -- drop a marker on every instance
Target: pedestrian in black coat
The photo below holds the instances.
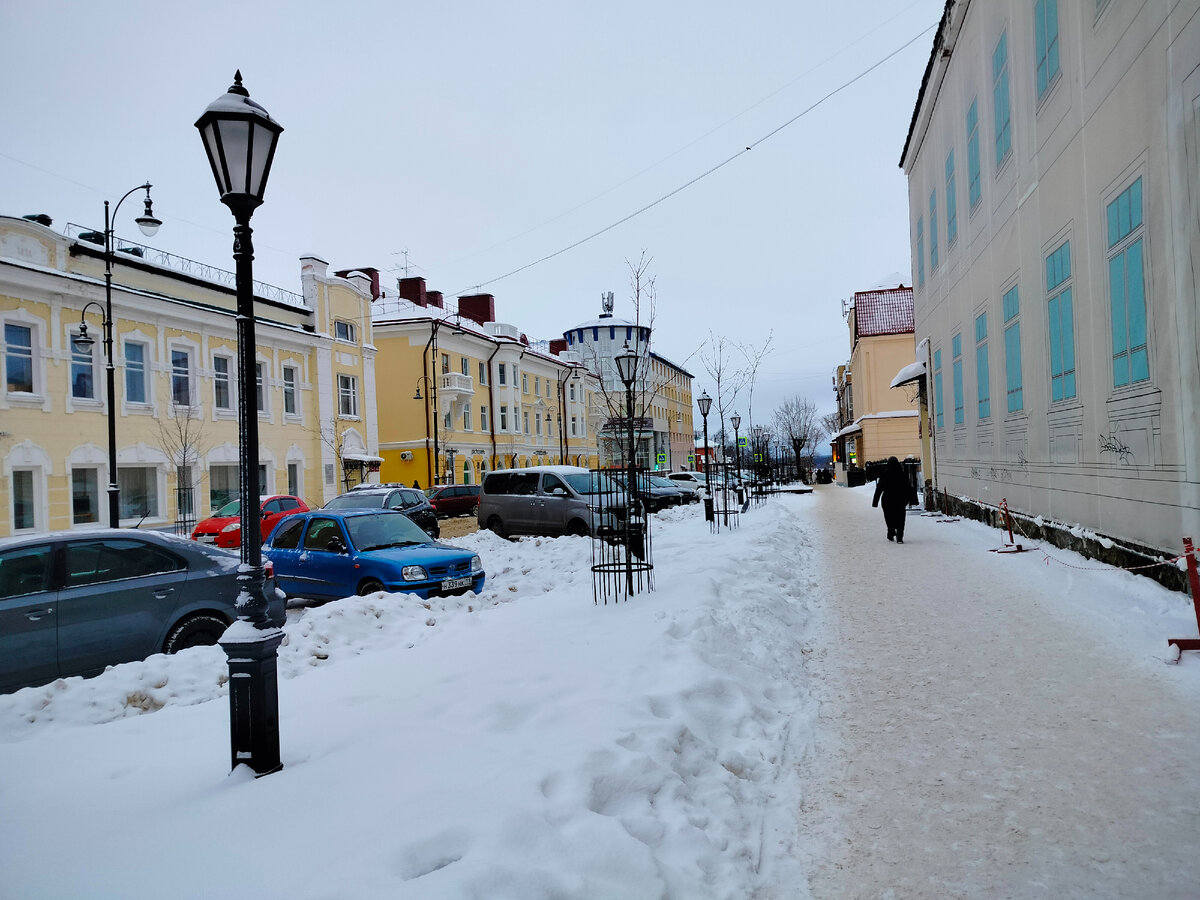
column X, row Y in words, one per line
column 897, row 493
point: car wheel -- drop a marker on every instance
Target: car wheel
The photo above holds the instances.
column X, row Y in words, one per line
column 370, row 586
column 496, row 526
column 202, row 630
column 578, row 528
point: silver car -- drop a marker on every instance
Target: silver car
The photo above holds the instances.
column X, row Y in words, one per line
column 550, row 500
column 72, row 603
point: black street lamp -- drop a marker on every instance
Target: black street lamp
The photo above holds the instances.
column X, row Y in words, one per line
column 434, row 479
column 627, row 370
column 735, row 420
column 705, row 403
column 83, row 341
column 240, row 138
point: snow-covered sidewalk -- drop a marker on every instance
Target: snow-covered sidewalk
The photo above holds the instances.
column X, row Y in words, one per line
column 996, row 726
column 799, row 709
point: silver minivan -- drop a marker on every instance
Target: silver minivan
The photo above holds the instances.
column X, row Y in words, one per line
column 550, row 500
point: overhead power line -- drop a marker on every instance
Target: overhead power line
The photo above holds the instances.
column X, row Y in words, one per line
column 667, row 196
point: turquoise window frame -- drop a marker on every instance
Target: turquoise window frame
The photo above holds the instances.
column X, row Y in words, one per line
column 1000, row 100
column 933, row 230
column 951, row 203
column 1060, row 311
column 937, row 386
column 1127, row 287
column 956, row 369
column 974, row 185
column 920, row 251
column 1012, row 349
column 983, row 386
column 1045, row 18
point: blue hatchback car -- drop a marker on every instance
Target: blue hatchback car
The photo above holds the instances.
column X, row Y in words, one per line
column 327, row 554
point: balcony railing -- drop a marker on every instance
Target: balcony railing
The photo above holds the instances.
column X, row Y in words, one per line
column 182, row 265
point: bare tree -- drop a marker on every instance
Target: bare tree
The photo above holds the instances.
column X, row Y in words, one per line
column 830, row 424
column 754, row 358
column 795, row 422
column 181, row 437
column 612, row 415
column 728, row 380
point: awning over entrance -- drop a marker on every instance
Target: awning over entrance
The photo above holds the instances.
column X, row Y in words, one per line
column 848, row 430
column 910, row 373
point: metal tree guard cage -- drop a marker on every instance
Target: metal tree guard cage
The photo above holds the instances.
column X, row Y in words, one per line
column 622, row 550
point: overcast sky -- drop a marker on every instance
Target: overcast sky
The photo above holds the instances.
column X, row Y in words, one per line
column 481, row 137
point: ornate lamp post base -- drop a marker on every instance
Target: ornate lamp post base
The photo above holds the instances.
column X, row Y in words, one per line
column 253, row 696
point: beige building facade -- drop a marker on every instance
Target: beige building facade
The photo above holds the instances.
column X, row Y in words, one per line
column 175, row 367
column 1053, row 178
column 877, row 420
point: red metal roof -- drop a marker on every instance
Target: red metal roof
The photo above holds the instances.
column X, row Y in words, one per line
column 883, row 312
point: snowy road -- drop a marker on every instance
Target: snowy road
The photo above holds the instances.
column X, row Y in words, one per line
column 982, row 734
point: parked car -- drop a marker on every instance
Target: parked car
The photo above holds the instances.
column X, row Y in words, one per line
column 454, row 499
column 674, row 495
column 72, row 603
column 407, row 500
column 327, row 554
column 224, row 527
column 653, row 492
column 550, row 500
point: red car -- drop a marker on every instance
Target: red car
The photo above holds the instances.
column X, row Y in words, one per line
column 454, row 499
column 225, row 527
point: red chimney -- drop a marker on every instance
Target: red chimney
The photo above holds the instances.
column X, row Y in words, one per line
column 479, row 308
column 412, row 289
column 557, row 346
column 366, row 270
column 434, row 298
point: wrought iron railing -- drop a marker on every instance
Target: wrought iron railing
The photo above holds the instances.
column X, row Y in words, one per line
column 184, row 266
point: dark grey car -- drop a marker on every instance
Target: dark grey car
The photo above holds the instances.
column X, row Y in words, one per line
column 72, row 603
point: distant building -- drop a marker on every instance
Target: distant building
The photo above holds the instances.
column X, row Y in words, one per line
column 662, row 394
column 176, row 383
column 877, row 421
column 1053, row 189
column 462, row 394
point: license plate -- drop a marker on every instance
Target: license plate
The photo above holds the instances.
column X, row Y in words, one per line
column 207, row 539
column 451, row 584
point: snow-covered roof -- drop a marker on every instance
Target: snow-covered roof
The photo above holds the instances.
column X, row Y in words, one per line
column 911, row 372
column 883, row 312
column 849, row 429
column 605, row 322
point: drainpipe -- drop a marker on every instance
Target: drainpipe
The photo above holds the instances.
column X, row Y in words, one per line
column 492, row 403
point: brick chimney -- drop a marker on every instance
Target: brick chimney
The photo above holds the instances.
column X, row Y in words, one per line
column 373, row 274
column 557, row 346
column 412, row 289
column 434, row 298
column 479, row 308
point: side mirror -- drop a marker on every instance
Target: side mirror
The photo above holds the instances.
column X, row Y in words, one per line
column 558, row 492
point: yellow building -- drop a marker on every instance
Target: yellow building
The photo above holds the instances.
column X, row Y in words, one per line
column 175, row 371
column 877, row 420
column 461, row 394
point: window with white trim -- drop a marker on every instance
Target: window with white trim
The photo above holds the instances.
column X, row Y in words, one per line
column 18, row 358
column 85, row 495
column 222, row 394
column 345, row 331
column 347, row 395
column 181, row 377
column 136, row 382
column 289, row 390
column 83, row 374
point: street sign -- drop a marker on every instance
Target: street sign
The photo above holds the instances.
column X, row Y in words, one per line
column 691, row 459
column 743, row 441
column 758, row 457
column 662, row 459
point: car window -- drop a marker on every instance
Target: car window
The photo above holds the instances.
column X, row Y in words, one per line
column 395, row 500
column 320, row 532
column 25, row 571
column 384, row 530
column 287, row 536
column 356, row 500
column 112, row 559
column 550, row 482
column 288, row 503
column 593, row 483
column 273, row 506
column 411, row 498
column 524, row 483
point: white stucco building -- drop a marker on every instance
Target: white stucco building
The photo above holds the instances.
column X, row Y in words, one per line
column 1054, row 213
